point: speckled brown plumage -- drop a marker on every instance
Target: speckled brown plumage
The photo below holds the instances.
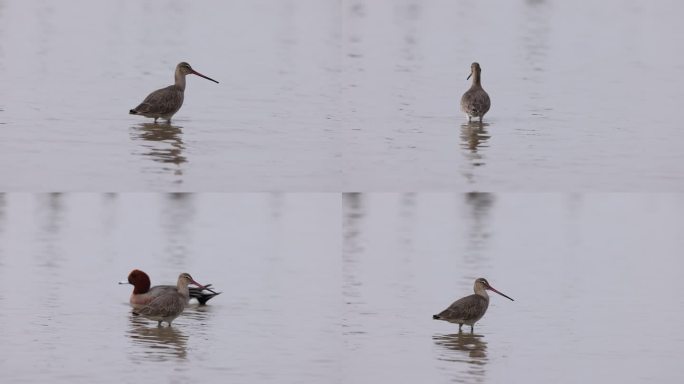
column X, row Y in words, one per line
column 475, row 102
column 167, row 101
column 171, row 303
column 468, row 310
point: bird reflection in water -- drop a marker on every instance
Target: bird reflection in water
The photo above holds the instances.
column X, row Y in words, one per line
column 162, row 142
column 464, row 348
column 474, row 136
column 157, row 343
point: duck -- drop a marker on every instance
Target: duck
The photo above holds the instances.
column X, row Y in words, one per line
column 143, row 293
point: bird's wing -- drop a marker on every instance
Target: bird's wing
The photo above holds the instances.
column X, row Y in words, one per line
column 466, row 308
column 162, row 306
column 162, row 101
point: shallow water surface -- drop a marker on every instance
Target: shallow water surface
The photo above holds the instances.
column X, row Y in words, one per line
column 342, row 96
column 342, row 288
column 591, row 276
column 66, row 319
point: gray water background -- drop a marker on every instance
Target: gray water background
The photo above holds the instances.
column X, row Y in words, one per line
column 342, row 95
column 342, row 288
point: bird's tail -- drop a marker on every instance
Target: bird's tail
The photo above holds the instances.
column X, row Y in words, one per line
column 133, row 112
column 435, row 317
column 201, row 295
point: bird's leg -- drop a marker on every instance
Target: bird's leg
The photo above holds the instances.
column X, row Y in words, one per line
column 459, row 327
column 168, row 121
column 469, row 117
column 471, row 328
column 159, row 324
column 481, row 119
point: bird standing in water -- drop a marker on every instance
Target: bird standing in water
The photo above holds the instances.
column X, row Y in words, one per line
column 143, row 294
column 468, row 310
column 171, row 303
column 475, row 102
column 167, row 101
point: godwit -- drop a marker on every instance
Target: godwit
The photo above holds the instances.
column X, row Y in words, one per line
column 171, row 303
column 475, row 102
column 468, row 310
column 143, row 294
column 167, row 101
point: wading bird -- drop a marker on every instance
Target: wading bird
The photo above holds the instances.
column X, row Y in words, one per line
column 167, row 101
column 468, row 310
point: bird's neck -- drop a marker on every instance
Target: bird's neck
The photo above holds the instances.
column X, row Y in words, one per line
column 476, row 79
column 183, row 288
column 482, row 292
column 180, row 80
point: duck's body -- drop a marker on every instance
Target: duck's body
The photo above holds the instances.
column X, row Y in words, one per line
column 169, row 304
column 164, row 103
column 475, row 102
column 470, row 309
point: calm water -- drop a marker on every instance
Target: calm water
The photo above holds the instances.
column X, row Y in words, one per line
column 342, row 95
column 341, row 288
column 65, row 319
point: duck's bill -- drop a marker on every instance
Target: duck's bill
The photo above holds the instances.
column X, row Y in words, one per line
column 206, row 77
column 468, row 78
column 492, row 289
column 123, row 282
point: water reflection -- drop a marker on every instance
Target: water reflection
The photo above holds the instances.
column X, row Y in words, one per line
column 355, row 49
column 466, row 348
column 478, row 228
column 536, row 34
column 161, row 142
column 353, row 215
column 407, row 214
column 156, row 343
column 50, row 214
column 3, row 209
column 474, row 136
column 277, row 204
column 177, row 218
column 410, row 16
column 535, row 37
